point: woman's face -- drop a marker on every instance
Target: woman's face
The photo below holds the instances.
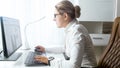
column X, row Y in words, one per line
column 59, row 19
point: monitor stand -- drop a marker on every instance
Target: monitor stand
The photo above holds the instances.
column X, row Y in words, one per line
column 13, row 57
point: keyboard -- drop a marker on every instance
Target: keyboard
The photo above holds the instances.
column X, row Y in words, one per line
column 30, row 59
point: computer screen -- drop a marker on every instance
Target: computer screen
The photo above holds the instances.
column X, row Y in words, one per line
column 10, row 38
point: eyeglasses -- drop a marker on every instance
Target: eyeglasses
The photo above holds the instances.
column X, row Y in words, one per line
column 56, row 15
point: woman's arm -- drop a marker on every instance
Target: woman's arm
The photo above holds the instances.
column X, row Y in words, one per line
column 77, row 43
column 55, row 49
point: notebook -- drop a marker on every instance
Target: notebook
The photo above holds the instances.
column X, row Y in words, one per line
column 30, row 59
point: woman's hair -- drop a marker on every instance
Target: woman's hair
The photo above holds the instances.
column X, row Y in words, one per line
column 77, row 11
column 66, row 6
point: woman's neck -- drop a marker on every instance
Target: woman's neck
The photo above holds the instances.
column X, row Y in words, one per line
column 67, row 22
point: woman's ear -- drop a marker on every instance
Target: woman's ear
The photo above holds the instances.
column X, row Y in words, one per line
column 65, row 16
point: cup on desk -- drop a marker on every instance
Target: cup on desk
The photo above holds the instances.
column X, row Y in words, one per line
column 56, row 63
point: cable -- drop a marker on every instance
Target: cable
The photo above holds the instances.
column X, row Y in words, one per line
column 1, row 51
column 26, row 40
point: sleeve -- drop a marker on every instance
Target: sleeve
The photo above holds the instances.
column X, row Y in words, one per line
column 77, row 51
column 55, row 49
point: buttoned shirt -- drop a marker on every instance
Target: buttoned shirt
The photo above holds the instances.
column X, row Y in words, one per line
column 78, row 46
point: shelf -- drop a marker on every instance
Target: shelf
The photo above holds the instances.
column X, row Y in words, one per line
column 99, row 31
column 98, row 27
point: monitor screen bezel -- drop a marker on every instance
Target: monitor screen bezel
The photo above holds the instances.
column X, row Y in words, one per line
column 5, row 46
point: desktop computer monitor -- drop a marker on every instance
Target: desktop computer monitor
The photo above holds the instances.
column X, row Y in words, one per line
column 10, row 38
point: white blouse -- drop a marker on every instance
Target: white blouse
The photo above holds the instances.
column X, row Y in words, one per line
column 78, row 46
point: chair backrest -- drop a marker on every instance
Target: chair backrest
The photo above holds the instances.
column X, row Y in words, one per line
column 111, row 56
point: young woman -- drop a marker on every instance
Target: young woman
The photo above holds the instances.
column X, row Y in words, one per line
column 78, row 44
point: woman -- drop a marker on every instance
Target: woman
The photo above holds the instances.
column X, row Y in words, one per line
column 78, row 45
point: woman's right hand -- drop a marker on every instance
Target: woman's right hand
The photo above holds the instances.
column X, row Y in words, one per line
column 39, row 58
column 40, row 48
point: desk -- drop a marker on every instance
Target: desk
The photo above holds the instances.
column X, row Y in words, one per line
column 20, row 62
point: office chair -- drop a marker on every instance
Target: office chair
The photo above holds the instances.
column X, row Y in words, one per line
column 111, row 56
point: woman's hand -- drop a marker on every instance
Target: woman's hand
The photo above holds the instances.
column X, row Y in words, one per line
column 41, row 59
column 40, row 48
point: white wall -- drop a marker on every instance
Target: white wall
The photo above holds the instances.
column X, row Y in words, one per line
column 117, row 14
column 42, row 32
column 45, row 31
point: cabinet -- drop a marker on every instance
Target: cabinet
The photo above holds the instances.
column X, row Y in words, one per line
column 99, row 31
column 97, row 10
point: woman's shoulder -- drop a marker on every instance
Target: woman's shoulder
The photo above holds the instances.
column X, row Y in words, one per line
column 80, row 28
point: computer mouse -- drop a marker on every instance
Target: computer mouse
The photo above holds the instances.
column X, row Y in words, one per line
column 37, row 51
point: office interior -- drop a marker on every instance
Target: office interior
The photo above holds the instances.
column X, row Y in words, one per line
column 38, row 27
